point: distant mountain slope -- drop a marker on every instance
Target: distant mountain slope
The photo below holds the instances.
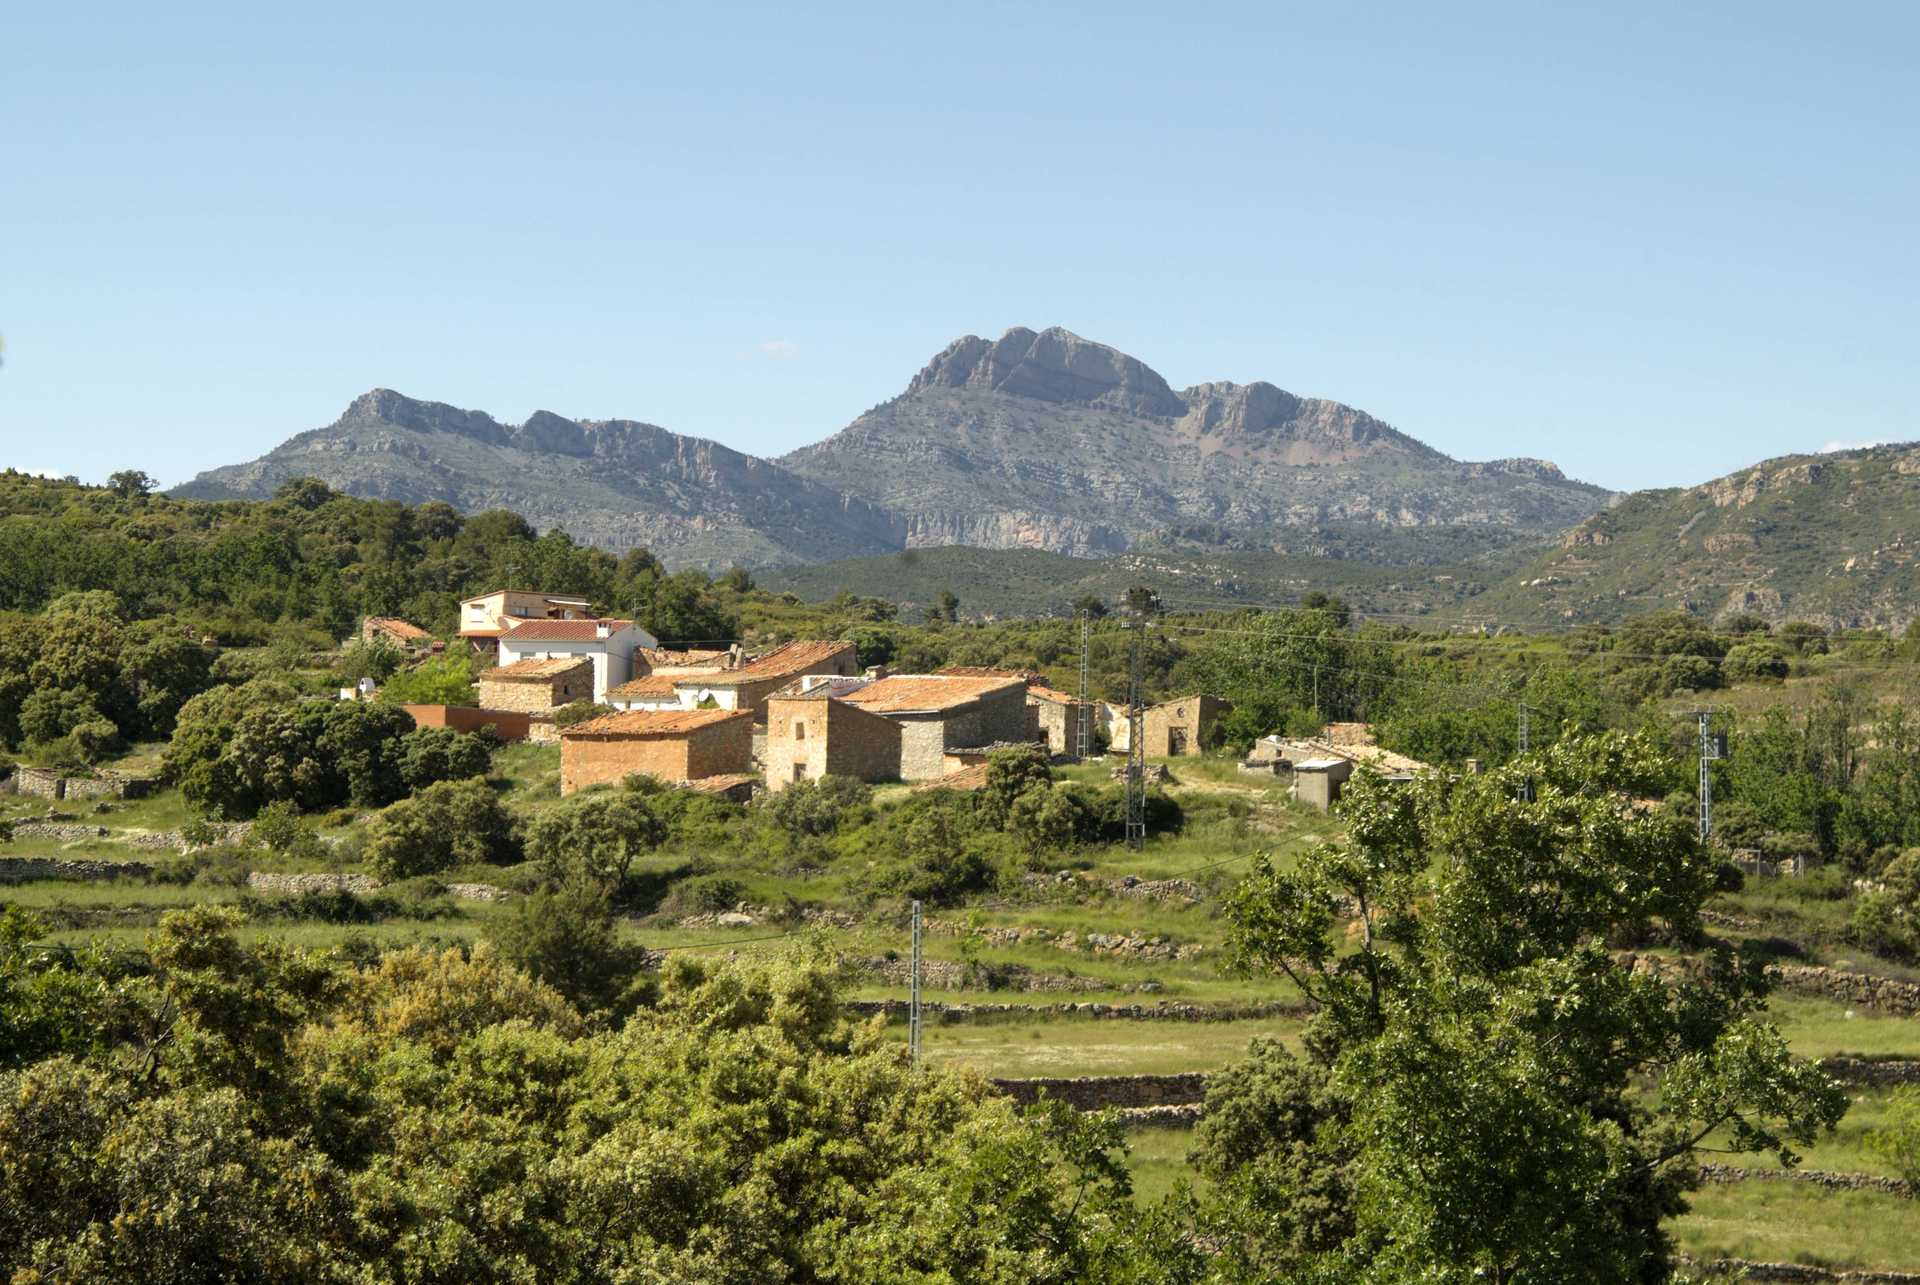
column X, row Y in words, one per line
column 613, row 483
column 1821, row 537
column 1375, row 572
column 1037, row 440
column 1046, row 440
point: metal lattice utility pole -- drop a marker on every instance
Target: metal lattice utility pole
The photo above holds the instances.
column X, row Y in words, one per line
column 1083, row 734
column 1136, row 748
column 1525, row 740
column 1712, row 748
column 913, row 1002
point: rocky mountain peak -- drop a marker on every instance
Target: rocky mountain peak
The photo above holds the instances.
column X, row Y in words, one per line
column 551, row 433
column 1052, row 365
column 384, row 406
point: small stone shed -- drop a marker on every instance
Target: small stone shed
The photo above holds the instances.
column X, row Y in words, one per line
column 673, row 745
column 395, row 632
column 537, row 686
column 1175, row 728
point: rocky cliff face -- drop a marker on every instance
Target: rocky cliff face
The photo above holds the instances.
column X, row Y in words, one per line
column 1048, row 440
column 1039, row 439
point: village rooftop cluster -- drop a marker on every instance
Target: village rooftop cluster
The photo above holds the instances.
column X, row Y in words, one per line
column 725, row 721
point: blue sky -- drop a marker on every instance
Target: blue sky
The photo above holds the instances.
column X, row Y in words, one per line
column 1651, row 242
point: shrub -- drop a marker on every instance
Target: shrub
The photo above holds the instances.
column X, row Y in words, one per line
column 1880, row 925
column 595, row 837
column 705, row 895
column 569, row 940
column 1898, row 1142
column 820, row 806
column 447, row 824
column 430, row 754
column 580, row 712
column 1756, row 661
column 281, row 830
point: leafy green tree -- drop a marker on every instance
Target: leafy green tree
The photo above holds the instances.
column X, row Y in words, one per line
column 377, row 659
column 1488, row 1043
column 430, row 754
column 162, row 672
column 448, row 680
column 1089, row 605
column 131, row 484
column 447, row 824
column 946, row 606
column 1760, row 661
column 594, row 838
column 1141, row 600
column 569, row 939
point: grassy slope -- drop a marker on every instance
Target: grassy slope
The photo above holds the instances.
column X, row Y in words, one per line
column 1829, row 537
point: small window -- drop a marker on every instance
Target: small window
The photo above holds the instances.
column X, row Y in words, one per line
column 799, row 729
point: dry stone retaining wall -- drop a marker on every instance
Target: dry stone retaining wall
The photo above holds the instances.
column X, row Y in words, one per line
column 30, row 869
column 1164, row 1011
column 1097, row 1092
column 1747, row 1270
column 1828, row 1178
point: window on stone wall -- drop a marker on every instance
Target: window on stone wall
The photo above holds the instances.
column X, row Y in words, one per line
column 799, row 729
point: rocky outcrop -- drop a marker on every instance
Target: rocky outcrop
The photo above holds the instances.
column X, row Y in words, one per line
column 1053, row 365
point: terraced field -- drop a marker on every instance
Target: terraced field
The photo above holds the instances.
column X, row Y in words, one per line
column 1022, row 967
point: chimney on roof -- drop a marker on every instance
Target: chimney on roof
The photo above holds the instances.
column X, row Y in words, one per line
column 735, row 656
column 876, row 672
column 602, row 629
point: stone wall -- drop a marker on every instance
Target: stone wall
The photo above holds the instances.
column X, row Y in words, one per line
column 1098, row 1092
column 1742, row 1269
column 1828, row 1178
column 1164, row 1011
column 32, row 869
column 39, row 781
column 923, row 748
column 1872, row 1072
column 295, row 884
column 47, row 784
column 58, row 832
column 1862, row 990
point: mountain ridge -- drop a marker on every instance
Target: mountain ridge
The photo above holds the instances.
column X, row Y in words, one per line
column 1051, row 440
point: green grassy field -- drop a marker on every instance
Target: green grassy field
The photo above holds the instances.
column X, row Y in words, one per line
column 1800, row 1223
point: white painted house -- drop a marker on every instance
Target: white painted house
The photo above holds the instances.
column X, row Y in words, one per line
column 610, row 644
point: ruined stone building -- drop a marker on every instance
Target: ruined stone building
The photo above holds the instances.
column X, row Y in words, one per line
column 910, row 727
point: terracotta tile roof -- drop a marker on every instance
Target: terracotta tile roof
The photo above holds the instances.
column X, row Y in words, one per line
column 482, row 633
column 719, row 784
column 405, row 630
column 654, row 722
column 967, row 778
column 1052, row 694
column 667, row 658
column 530, row 671
column 988, row 671
column 563, row 630
column 660, row 685
column 909, row 693
column 787, row 661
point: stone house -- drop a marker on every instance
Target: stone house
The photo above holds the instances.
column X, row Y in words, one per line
column 609, row 644
column 1172, row 728
column 395, row 632
column 747, row 686
column 485, row 619
column 1317, row 781
column 1053, row 715
column 1056, row 721
column 810, row 734
column 676, row 745
column 909, row 727
column 537, row 686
